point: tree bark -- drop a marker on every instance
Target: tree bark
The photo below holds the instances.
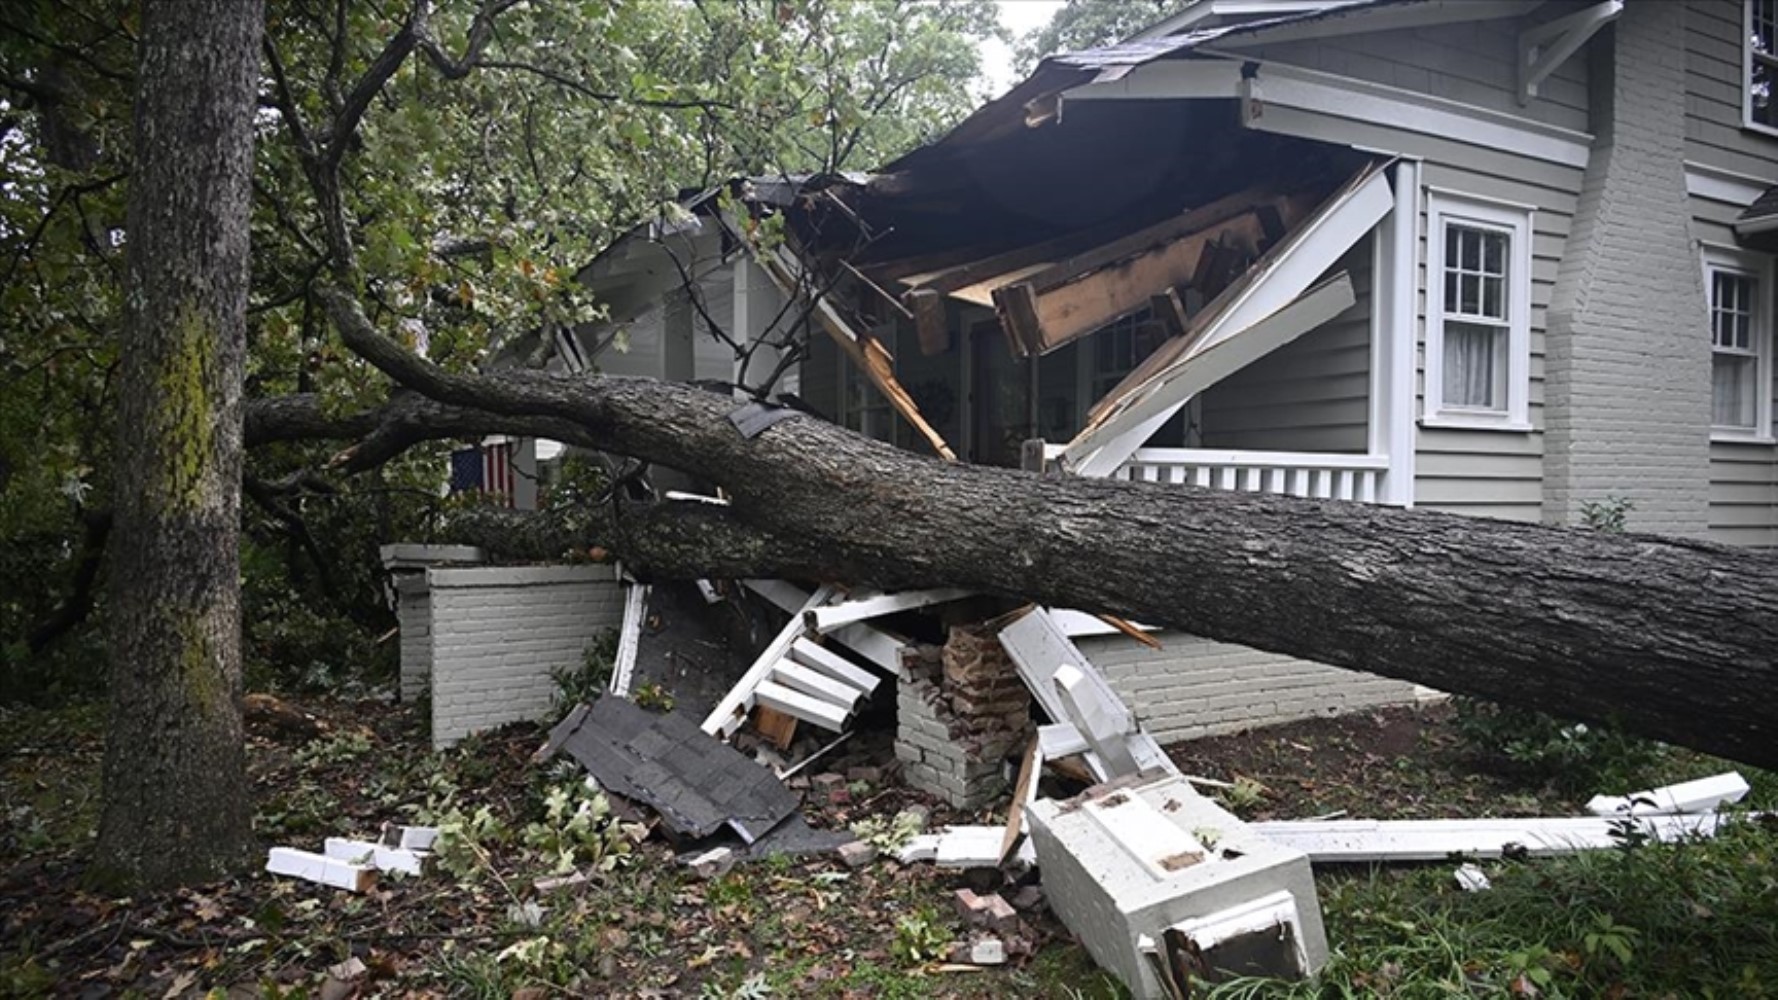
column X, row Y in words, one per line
column 176, row 799
column 1667, row 637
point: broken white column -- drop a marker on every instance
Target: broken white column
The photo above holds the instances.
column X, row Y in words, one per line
column 1702, row 795
column 1152, row 861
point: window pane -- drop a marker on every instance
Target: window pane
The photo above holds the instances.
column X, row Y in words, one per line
column 1450, row 291
column 1469, row 297
column 1475, row 366
column 1732, row 385
column 1494, row 259
column 1451, row 248
column 1765, row 20
column 1494, row 298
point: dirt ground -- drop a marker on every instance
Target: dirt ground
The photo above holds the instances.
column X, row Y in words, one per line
column 647, row 929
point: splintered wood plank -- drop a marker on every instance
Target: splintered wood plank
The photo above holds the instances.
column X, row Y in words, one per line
column 833, row 665
column 1021, row 796
column 815, row 684
column 869, row 355
column 809, row 709
column 774, row 725
column 877, row 645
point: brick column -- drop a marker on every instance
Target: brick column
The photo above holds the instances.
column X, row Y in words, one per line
column 960, row 714
column 1627, row 357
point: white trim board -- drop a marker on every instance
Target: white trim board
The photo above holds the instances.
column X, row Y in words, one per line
column 1329, row 98
column 1727, row 186
column 1361, row 840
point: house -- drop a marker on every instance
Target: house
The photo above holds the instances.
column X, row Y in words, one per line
column 1505, row 258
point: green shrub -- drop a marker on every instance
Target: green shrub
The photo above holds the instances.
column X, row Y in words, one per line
column 587, row 680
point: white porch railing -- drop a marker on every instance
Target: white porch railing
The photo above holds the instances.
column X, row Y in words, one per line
column 1304, row 474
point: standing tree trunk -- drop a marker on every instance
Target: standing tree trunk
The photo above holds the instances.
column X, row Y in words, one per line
column 176, row 805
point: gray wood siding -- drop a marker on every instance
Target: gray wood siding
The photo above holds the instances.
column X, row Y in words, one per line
column 1483, row 472
column 1743, row 476
column 1310, row 395
column 1714, row 133
column 1475, row 64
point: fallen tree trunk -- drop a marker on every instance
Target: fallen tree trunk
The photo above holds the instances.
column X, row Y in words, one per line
column 1671, row 638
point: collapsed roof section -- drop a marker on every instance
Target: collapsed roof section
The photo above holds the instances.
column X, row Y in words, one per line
column 1061, row 225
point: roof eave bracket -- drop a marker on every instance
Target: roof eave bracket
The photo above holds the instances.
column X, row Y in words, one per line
column 1545, row 47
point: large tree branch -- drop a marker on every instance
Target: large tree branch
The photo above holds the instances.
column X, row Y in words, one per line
column 1664, row 635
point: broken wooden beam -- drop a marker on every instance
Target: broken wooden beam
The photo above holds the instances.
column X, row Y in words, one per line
column 1043, row 310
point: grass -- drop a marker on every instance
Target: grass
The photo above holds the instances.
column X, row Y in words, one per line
column 1695, row 919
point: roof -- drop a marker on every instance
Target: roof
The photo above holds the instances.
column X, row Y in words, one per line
column 1067, row 70
column 1760, row 215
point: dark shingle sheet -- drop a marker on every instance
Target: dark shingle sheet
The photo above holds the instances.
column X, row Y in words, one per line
column 696, row 783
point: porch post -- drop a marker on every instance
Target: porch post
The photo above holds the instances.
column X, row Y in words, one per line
column 1394, row 322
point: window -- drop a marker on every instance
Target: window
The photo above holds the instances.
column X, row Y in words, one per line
column 1738, row 288
column 1478, row 313
column 1759, row 64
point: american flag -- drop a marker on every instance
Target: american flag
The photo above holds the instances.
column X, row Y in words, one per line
column 487, row 468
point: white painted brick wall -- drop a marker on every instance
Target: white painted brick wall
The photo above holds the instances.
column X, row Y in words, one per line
column 496, row 634
column 1627, row 363
column 1195, row 687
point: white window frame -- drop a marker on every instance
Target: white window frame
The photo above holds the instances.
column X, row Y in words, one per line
column 1444, row 207
column 1759, row 267
column 1747, row 58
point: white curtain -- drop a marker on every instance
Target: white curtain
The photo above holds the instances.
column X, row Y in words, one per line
column 1472, row 355
column 1731, row 380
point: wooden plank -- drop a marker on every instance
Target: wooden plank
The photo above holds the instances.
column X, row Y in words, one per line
column 833, row 665
column 809, row 709
column 729, row 713
column 629, row 638
column 815, row 684
column 787, row 596
column 1702, row 795
column 320, row 868
column 774, row 725
column 1130, row 630
column 1362, row 840
column 877, row 645
column 1022, row 792
column 363, row 852
column 928, row 309
column 829, row 617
